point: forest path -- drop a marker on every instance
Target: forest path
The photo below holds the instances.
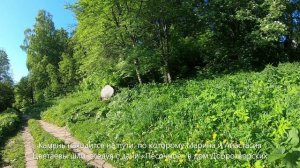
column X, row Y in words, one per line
column 29, row 148
column 63, row 134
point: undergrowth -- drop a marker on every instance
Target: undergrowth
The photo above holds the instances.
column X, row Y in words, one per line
column 9, row 125
column 13, row 153
column 9, row 120
column 244, row 108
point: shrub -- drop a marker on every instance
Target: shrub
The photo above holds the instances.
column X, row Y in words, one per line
column 9, row 121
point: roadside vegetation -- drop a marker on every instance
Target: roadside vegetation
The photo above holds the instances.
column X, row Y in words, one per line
column 42, row 137
column 14, row 153
column 9, row 121
column 243, row 108
column 9, row 125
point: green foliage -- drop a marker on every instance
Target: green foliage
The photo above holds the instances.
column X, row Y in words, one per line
column 6, row 95
column 14, row 152
column 271, row 27
column 67, row 70
column 123, row 43
column 9, row 121
column 85, row 104
column 96, row 80
column 54, row 87
column 244, row 108
column 34, row 111
column 23, row 93
column 4, row 67
column 287, row 152
column 6, row 83
column 145, row 41
column 42, row 137
column 45, row 47
column 131, row 42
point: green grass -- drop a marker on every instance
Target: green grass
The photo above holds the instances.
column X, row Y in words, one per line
column 83, row 104
column 9, row 124
column 13, row 152
column 42, row 137
column 244, row 108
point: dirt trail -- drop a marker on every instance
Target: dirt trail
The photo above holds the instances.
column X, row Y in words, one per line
column 29, row 149
column 86, row 154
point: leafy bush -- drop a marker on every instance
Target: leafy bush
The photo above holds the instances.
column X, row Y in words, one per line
column 287, row 153
column 6, row 95
column 9, row 121
column 244, row 108
column 34, row 111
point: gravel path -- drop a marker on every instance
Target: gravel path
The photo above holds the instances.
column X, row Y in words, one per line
column 29, row 149
column 63, row 134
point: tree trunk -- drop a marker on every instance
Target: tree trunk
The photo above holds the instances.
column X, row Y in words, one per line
column 166, row 52
column 138, row 74
column 169, row 77
column 167, row 74
column 32, row 96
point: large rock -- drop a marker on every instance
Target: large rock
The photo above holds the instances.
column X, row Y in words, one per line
column 107, row 92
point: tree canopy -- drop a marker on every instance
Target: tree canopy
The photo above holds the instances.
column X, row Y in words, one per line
column 46, row 47
column 125, row 43
column 6, row 83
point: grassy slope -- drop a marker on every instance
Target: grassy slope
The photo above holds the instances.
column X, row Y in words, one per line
column 250, row 108
column 13, row 153
column 9, row 124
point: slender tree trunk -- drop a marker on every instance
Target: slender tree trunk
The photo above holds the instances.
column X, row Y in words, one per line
column 167, row 74
column 136, row 62
column 138, row 74
column 131, row 35
column 32, row 95
column 167, row 52
column 163, row 45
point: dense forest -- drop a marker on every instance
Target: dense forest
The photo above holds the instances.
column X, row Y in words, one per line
column 133, row 44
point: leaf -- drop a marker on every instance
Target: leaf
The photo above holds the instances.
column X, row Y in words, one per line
column 278, row 153
column 258, row 164
column 293, row 137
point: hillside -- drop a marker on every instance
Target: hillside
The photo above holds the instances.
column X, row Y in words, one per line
column 259, row 111
column 189, row 84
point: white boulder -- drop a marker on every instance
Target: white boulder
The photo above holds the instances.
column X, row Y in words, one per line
column 107, row 92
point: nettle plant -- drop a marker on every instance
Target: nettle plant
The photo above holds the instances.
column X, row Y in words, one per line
column 286, row 153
